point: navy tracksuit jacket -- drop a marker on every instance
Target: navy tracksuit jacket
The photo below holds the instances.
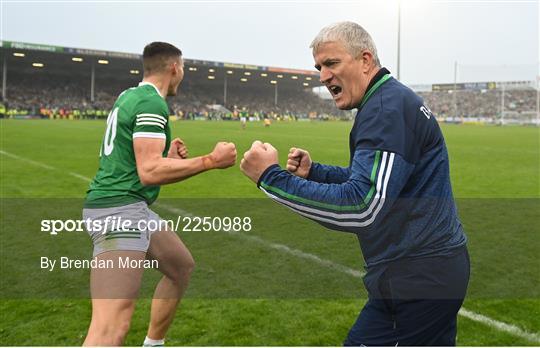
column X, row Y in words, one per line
column 395, row 195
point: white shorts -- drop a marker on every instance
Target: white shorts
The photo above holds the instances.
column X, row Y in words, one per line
column 127, row 227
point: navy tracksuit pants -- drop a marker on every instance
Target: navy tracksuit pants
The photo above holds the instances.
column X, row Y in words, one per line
column 413, row 303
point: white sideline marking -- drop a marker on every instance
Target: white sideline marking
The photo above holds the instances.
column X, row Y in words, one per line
column 281, row 247
column 39, row 164
column 498, row 325
column 79, row 176
column 509, row 328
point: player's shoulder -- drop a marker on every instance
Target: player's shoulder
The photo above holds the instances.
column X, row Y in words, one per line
column 148, row 92
column 148, row 100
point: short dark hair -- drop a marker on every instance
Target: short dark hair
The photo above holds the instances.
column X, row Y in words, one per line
column 156, row 54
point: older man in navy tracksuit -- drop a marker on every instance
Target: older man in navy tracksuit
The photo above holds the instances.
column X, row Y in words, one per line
column 395, row 195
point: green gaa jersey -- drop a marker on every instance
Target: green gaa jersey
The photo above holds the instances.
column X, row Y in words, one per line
column 138, row 112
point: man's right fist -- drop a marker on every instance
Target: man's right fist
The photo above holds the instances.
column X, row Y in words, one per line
column 223, row 156
column 299, row 162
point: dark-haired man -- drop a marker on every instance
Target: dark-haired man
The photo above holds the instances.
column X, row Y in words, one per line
column 136, row 157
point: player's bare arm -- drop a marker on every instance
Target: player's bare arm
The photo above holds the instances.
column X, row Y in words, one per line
column 154, row 169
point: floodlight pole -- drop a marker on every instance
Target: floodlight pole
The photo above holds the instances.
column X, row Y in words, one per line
column 398, row 39
column 538, row 100
column 225, row 91
column 502, row 102
column 92, row 83
column 4, row 79
column 275, row 94
column 454, row 91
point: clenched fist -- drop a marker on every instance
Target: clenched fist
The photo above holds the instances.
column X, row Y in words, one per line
column 259, row 157
column 178, row 149
column 299, row 162
column 223, row 156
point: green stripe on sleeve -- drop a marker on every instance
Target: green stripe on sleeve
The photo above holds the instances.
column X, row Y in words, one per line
column 376, row 163
column 311, row 202
column 335, row 207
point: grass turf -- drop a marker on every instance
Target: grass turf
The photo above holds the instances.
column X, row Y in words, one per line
column 243, row 292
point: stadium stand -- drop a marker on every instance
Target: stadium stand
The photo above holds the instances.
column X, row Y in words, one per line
column 62, row 88
column 483, row 104
column 55, row 97
column 76, row 83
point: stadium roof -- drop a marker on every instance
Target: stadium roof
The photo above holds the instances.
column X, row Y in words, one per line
column 27, row 57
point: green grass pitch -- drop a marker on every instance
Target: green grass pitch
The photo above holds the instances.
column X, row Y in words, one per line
column 247, row 289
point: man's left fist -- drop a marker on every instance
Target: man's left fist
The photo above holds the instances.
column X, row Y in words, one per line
column 178, row 149
column 259, row 157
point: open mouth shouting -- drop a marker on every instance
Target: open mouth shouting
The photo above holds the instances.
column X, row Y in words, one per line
column 335, row 90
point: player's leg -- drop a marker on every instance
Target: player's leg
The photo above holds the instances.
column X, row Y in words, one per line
column 176, row 264
column 114, row 289
column 114, row 292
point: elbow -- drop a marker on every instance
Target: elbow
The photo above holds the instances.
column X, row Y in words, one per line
column 146, row 182
column 147, row 179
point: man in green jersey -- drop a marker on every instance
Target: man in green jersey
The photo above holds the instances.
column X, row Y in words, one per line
column 137, row 155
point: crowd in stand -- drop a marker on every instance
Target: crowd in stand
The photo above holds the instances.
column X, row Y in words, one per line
column 480, row 103
column 67, row 98
column 54, row 98
column 258, row 102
